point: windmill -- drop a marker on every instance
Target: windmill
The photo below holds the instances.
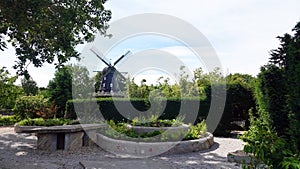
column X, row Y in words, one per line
column 111, row 77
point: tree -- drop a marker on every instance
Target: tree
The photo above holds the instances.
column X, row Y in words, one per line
column 8, row 91
column 29, row 86
column 274, row 135
column 82, row 84
column 287, row 59
column 47, row 31
column 97, row 80
column 69, row 82
column 60, row 89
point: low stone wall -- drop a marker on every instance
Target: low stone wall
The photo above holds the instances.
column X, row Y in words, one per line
column 148, row 149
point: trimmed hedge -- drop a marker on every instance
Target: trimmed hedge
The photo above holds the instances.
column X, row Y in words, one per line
column 239, row 101
column 89, row 110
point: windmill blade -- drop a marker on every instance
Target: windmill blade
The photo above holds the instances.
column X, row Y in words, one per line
column 121, row 57
column 96, row 52
column 120, row 74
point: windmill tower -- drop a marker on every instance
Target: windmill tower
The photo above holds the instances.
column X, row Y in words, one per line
column 111, row 77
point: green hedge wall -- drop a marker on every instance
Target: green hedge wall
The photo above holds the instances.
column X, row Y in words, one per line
column 94, row 109
column 239, row 100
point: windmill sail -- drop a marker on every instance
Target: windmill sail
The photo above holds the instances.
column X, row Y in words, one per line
column 98, row 54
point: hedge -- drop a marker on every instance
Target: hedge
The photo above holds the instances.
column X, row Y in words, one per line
column 89, row 110
column 239, row 101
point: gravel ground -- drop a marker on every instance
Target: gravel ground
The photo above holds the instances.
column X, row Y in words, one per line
column 19, row 151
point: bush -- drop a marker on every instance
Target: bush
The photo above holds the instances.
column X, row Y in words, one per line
column 196, row 131
column 90, row 109
column 266, row 146
column 30, row 106
column 8, row 120
column 121, row 131
column 46, row 122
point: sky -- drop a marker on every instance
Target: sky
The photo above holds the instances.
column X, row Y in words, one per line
column 241, row 32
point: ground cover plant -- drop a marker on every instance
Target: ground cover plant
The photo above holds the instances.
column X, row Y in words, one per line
column 154, row 121
column 47, row 122
column 9, row 120
column 123, row 132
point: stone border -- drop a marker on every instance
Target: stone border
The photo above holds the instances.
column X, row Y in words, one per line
column 26, row 129
column 147, row 149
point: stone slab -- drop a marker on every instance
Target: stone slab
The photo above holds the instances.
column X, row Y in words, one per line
column 57, row 129
column 239, row 156
column 73, row 141
column 47, row 142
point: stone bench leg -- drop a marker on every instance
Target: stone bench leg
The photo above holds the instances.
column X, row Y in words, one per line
column 73, row 141
column 89, row 138
column 54, row 141
column 47, row 142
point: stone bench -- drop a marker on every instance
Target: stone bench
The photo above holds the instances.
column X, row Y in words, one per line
column 67, row 137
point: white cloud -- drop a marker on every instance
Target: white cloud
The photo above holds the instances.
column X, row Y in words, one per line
column 242, row 32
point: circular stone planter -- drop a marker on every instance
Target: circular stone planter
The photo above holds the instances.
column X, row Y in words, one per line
column 147, row 149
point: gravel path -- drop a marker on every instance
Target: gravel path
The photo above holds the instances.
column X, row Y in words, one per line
column 19, row 151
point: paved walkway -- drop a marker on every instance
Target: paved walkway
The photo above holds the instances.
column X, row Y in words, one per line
column 19, row 151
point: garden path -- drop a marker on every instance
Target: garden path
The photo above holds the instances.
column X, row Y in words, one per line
column 19, row 151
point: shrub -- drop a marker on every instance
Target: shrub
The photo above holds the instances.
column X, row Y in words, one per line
column 121, row 131
column 266, row 146
column 95, row 108
column 8, row 120
column 154, row 121
column 46, row 122
column 30, row 106
column 196, row 131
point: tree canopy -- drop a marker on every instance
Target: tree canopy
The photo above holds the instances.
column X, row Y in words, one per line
column 48, row 30
column 8, row 91
column 277, row 120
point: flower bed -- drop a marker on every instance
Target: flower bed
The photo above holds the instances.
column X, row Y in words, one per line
column 138, row 149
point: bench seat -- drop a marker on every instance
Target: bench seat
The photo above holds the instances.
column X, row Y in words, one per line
column 67, row 137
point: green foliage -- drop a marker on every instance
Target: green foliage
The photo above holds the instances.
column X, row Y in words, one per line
column 287, row 59
column 266, row 146
column 121, row 131
column 8, row 91
column 97, row 81
column 8, row 120
column 184, row 88
column 154, row 121
column 82, row 84
column 60, row 89
column 30, row 106
column 274, row 135
column 48, row 31
column 29, row 86
column 271, row 94
column 93, row 108
column 46, row 122
column 69, row 82
column 196, row 131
